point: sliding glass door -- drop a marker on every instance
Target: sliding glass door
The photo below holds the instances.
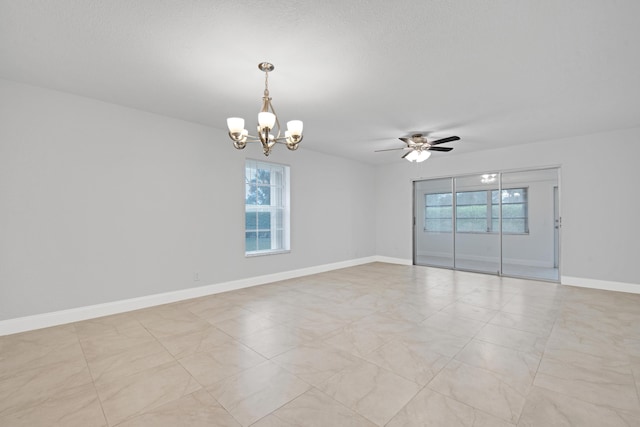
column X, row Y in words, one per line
column 529, row 216
column 433, row 222
column 477, row 233
column 500, row 223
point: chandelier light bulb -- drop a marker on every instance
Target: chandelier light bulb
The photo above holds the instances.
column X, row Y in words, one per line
column 295, row 127
column 266, row 120
column 235, row 124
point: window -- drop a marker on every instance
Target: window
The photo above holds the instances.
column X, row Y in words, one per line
column 515, row 211
column 472, row 211
column 438, row 211
column 266, row 208
column 478, row 211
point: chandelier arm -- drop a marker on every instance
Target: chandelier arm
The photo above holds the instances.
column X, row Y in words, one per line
column 277, row 121
column 283, row 140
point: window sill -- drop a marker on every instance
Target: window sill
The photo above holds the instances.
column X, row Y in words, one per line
column 264, row 253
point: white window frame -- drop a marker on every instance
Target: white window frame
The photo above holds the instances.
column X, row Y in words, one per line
column 279, row 198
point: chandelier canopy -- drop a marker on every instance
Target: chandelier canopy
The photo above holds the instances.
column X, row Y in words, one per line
column 267, row 122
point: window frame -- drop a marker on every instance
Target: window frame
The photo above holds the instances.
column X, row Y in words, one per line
column 279, row 203
column 489, row 218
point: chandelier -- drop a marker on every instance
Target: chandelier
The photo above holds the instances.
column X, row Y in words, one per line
column 267, row 120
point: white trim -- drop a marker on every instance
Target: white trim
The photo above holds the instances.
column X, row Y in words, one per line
column 606, row 285
column 45, row 320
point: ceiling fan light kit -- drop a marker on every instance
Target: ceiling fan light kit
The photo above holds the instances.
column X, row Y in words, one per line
column 417, row 156
column 267, row 121
column 420, row 148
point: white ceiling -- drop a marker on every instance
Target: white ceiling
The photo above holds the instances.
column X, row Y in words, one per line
column 359, row 73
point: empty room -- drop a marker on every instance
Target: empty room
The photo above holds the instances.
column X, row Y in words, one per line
column 320, row 213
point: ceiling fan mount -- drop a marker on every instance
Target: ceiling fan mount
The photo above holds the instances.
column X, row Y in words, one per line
column 418, row 147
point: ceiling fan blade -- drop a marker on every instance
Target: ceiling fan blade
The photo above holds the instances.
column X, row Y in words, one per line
column 391, row 149
column 405, row 140
column 443, row 140
column 440, row 148
column 408, row 152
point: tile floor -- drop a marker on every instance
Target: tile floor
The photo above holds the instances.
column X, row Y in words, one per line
column 373, row 345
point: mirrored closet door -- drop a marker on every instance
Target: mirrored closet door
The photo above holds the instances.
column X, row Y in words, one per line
column 505, row 223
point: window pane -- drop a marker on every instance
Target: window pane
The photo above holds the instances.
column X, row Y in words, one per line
column 250, row 221
column 263, row 176
column 250, row 241
column 513, row 211
column 471, row 198
column 438, row 212
column 262, row 195
column 471, row 225
column 250, row 172
column 472, row 211
column 514, row 195
column 264, row 240
column 438, row 225
column 264, row 220
column 439, row 199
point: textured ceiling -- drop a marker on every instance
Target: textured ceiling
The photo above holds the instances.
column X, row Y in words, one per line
column 358, row 73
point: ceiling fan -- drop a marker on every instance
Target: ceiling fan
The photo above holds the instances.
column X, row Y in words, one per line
column 419, row 147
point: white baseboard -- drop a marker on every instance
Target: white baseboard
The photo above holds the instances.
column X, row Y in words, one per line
column 45, row 320
column 605, row 285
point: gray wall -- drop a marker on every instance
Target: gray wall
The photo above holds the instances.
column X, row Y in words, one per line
column 600, row 238
column 101, row 203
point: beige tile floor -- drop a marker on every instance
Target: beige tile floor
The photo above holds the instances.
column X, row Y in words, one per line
column 377, row 344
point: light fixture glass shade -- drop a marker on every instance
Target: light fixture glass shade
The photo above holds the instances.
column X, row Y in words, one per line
column 412, row 156
column 295, row 127
column 235, row 124
column 424, row 155
column 266, row 119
